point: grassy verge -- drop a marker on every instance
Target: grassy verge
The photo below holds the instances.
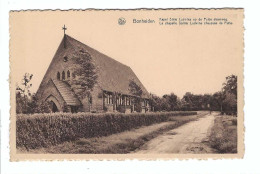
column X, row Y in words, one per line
column 124, row 142
column 223, row 135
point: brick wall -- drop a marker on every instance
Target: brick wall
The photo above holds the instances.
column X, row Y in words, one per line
column 57, row 65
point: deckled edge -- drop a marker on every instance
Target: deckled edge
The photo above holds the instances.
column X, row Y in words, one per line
column 239, row 155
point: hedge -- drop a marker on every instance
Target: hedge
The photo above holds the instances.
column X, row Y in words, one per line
column 44, row 130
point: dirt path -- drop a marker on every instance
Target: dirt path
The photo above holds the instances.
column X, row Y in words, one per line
column 185, row 139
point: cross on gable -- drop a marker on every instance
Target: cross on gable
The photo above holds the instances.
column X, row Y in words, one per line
column 64, row 28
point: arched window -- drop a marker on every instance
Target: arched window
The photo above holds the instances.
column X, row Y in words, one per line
column 68, row 74
column 63, row 75
column 58, row 75
column 90, row 99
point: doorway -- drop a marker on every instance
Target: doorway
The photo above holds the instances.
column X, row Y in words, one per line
column 54, row 107
column 74, row 109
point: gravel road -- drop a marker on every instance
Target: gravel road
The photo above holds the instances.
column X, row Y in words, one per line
column 185, row 139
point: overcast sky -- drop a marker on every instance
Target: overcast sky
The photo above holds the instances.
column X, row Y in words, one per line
column 166, row 59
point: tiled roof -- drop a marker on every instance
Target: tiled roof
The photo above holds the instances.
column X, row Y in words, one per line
column 67, row 94
column 112, row 75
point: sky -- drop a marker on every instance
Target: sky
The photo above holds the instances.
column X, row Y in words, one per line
column 166, row 59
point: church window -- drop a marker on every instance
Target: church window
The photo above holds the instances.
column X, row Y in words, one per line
column 65, row 59
column 110, row 99
column 68, row 74
column 105, row 99
column 63, row 75
column 90, row 99
column 127, row 101
column 58, row 75
column 143, row 103
column 117, row 101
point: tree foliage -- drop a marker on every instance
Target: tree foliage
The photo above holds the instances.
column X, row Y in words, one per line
column 166, row 103
column 84, row 73
column 224, row 100
column 24, row 89
column 230, row 85
column 25, row 102
column 229, row 92
column 85, row 77
column 136, row 90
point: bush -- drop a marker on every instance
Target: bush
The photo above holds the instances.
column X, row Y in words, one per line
column 223, row 137
column 44, row 130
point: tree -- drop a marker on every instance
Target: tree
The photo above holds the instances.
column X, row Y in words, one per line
column 155, row 102
column 218, row 98
column 230, row 104
column 136, row 90
column 230, row 95
column 26, row 85
column 24, row 99
column 179, row 104
column 84, row 74
column 170, row 102
column 208, row 101
column 187, row 100
column 185, row 106
column 230, row 86
column 197, row 102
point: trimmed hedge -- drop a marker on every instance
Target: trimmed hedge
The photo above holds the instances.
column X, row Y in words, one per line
column 44, row 130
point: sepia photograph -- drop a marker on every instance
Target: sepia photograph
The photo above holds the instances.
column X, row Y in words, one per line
column 126, row 84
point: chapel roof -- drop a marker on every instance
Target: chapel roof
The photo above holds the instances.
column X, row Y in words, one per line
column 66, row 92
column 113, row 76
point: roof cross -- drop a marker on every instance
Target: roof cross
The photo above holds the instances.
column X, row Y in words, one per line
column 64, row 28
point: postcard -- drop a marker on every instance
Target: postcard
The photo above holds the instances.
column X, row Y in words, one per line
column 142, row 84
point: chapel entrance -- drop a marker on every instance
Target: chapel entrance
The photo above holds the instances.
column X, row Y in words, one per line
column 54, row 107
column 74, row 109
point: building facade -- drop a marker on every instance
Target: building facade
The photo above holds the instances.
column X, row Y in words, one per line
column 110, row 93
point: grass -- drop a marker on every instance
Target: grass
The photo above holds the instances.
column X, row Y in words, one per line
column 124, row 142
column 223, row 137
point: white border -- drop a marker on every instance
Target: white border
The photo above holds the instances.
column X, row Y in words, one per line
column 250, row 163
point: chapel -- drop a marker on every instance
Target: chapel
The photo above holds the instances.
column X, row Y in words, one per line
column 110, row 93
